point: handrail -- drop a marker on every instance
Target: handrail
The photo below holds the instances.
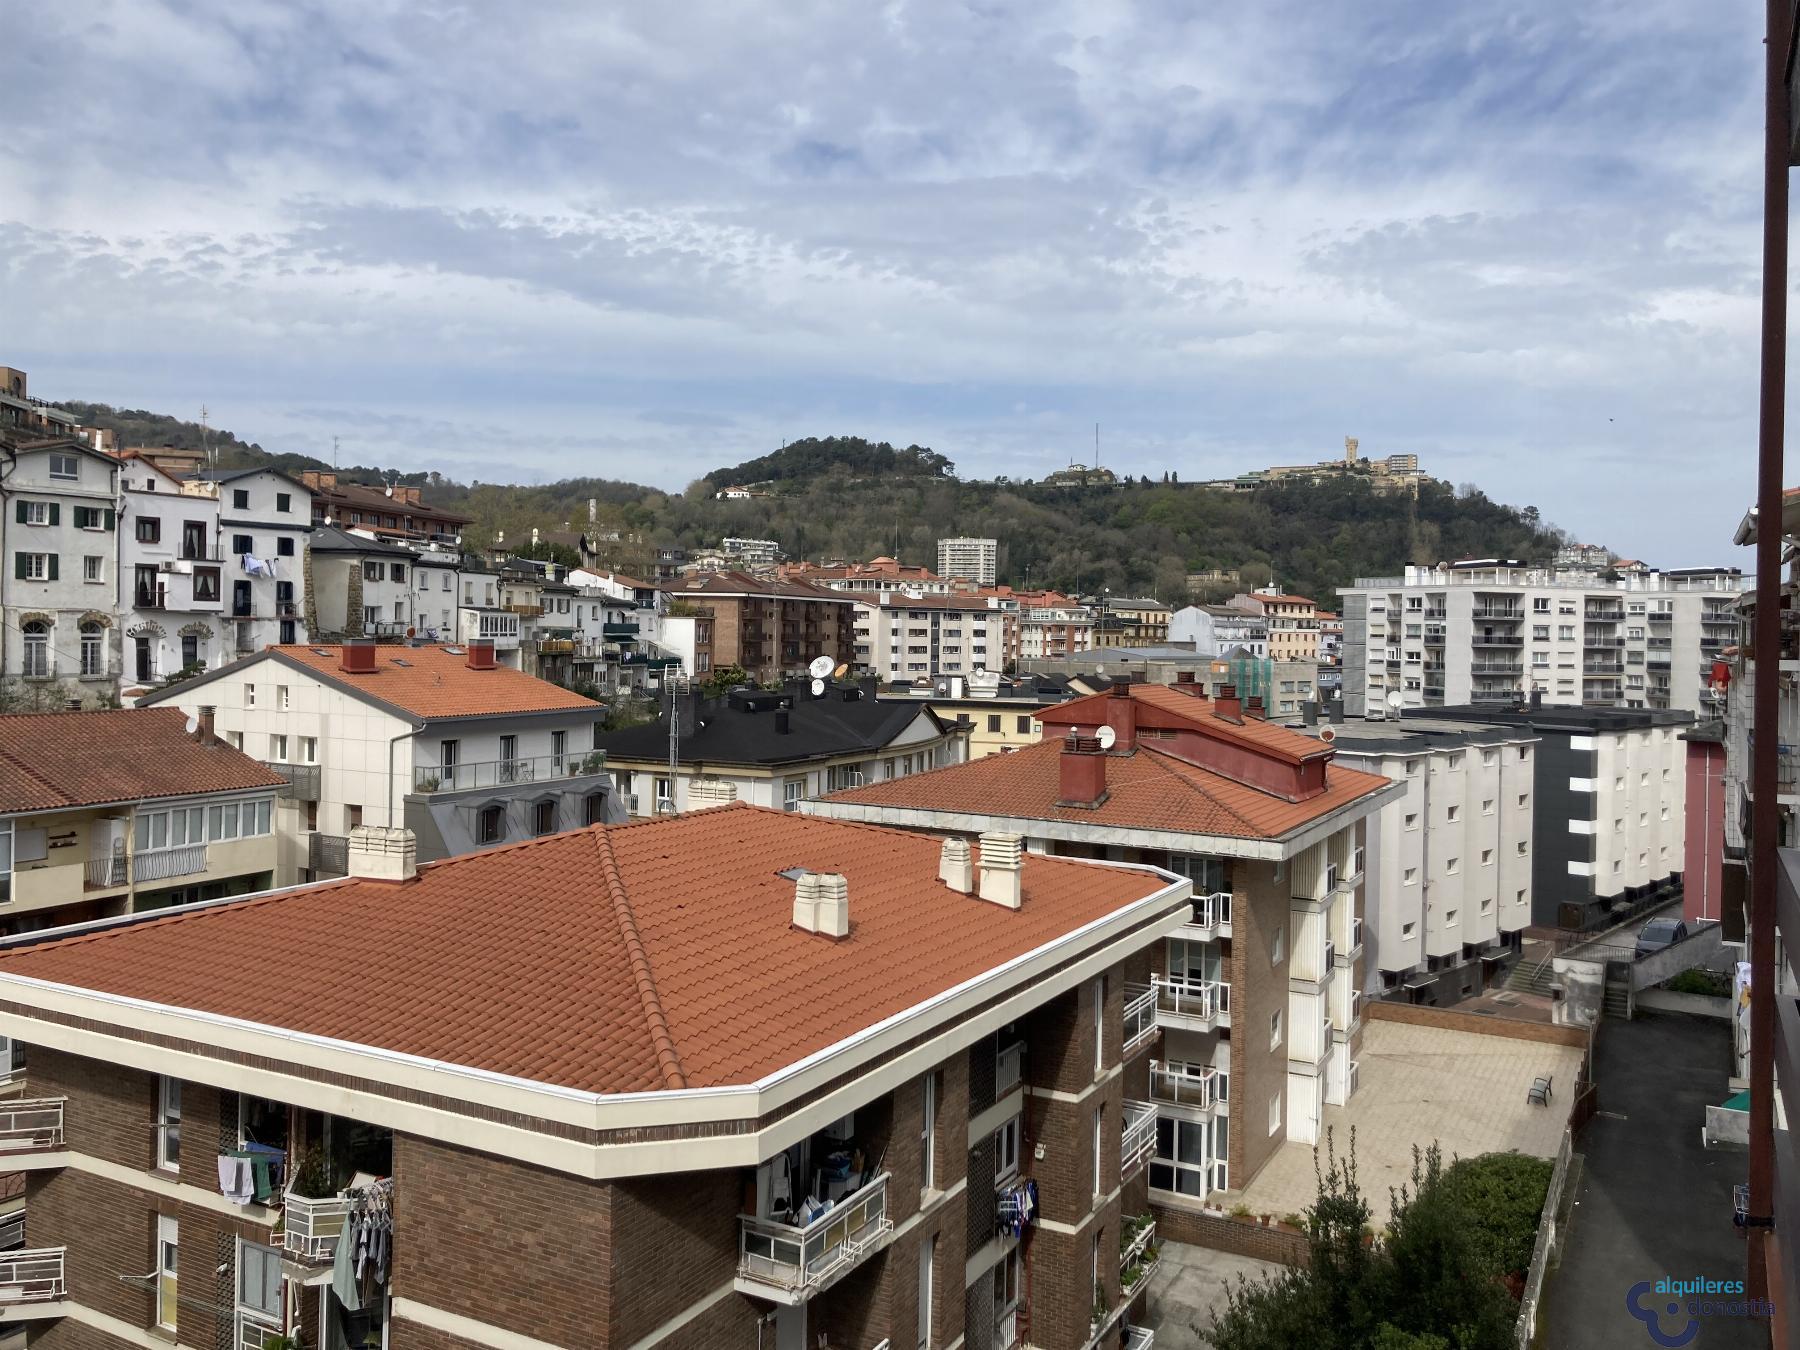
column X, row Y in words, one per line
column 1140, row 1015
column 1009, row 1068
column 1184, row 1088
column 805, row 1258
column 484, row 773
column 1191, row 998
column 31, row 1122
column 33, row 1276
column 1137, row 1140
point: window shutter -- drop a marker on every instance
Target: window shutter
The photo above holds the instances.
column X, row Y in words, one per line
column 55, row 513
column 53, row 558
column 19, row 563
column 112, row 518
column 21, row 513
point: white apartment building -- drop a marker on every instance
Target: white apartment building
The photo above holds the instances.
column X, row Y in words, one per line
column 905, row 637
column 59, row 523
column 976, row 559
column 437, row 582
column 357, row 586
column 171, row 576
column 1218, row 630
column 750, row 553
column 466, row 753
column 265, row 519
column 1449, row 862
column 1493, row 631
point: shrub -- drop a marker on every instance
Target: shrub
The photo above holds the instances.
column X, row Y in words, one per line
column 1501, row 1196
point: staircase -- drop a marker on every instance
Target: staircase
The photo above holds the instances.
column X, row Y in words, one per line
column 1616, row 1002
column 1532, row 977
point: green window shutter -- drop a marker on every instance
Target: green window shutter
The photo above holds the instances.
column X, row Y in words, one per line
column 112, row 518
column 53, row 560
column 19, row 563
column 55, row 513
column 21, row 513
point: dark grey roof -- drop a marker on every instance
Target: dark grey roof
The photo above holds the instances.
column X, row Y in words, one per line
column 714, row 732
column 1564, row 719
column 330, row 539
column 228, row 475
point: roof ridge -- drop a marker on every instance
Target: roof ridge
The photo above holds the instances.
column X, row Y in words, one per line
column 668, row 1058
column 1166, row 763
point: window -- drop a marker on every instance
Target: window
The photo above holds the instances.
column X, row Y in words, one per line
column 67, row 467
column 206, row 583
column 1406, row 929
column 309, row 749
column 1521, row 848
column 993, row 723
column 663, row 794
column 1410, row 875
column 1412, row 820
column 243, row 543
column 1097, row 998
column 240, row 499
column 34, row 513
column 1450, row 916
column 1275, row 1029
column 259, row 1280
column 193, row 538
column 927, row 1255
column 543, row 817
column 168, row 1126
column 284, row 502
column 93, row 649
column 1540, row 632
column 1277, row 945
column 35, row 566
column 1487, row 857
column 1275, row 1113
column 1524, row 797
column 1452, row 866
column 93, row 568
column 397, row 572
column 1454, row 814
column 1412, row 768
column 193, row 650
column 559, row 749
column 168, row 1248
column 1006, row 1151
column 371, row 571
column 593, row 809
column 36, row 634
column 1024, row 726
column 490, row 825
column 149, row 530
column 928, row 1132
column 791, row 791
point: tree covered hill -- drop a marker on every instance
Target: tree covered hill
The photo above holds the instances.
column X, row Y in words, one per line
column 844, row 497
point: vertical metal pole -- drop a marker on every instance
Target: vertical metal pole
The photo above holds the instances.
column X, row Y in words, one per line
column 1766, row 690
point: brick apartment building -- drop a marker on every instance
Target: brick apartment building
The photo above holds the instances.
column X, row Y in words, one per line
column 1258, row 996
column 593, row 1090
column 770, row 628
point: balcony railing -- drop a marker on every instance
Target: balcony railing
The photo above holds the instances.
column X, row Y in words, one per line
column 328, row 855
column 1601, row 643
column 1345, row 955
column 801, row 1261
column 1140, row 1016
column 1181, row 1087
column 310, row 1227
column 1140, row 1338
column 108, row 871
column 1211, row 912
column 1190, row 1000
column 162, row 863
column 32, row 1276
column 28, row 1123
column 1139, row 1256
column 487, row 773
column 1137, row 1141
column 1497, row 640
column 1505, row 613
column 302, row 781
column 1009, row 1069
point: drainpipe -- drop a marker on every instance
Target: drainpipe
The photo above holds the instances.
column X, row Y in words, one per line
column 392, row 742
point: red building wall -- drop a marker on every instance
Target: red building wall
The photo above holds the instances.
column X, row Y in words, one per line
column 1703, row 865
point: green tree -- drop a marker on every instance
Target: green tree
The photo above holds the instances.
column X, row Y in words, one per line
column 1502, row 1194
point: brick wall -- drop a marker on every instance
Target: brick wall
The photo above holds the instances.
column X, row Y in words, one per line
column 453, row 1205
column 1259, row 907
column 1225, row 1234
column 673, row 1239
column 68, row 1334
column 1379, row 1010
column 418, row 1336
column 111, row 1112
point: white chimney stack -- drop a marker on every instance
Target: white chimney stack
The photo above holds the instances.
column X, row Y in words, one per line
column 955, row 868
column 382, row 853
column 1002, row 869
column 822, row 904
column 707, row 792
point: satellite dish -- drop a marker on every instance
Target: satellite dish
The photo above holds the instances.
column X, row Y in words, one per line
column 193, row 724
column 1394, row 698
column 821, row 667
column 1106, row 736
column 1328, row 734
column 818, row 687
column 841, row 671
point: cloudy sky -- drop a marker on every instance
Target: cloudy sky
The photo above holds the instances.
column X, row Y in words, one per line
column 527, row 241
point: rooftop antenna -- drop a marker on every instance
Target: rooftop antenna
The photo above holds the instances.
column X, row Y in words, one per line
column 206, row 436
column 334, row 452
column 1096, row 445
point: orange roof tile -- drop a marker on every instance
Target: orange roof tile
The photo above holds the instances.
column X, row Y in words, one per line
column 1146, row 790
column 428, row 682
column 68, row 759
column 1161, row 705
column 612, row 959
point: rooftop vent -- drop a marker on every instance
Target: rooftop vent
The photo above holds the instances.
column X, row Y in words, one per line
column 955, row 867
column 822, row 904
column 357, row 657
column 1002, row 869
column 383, row 853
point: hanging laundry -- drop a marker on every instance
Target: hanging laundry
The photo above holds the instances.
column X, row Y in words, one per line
column 259, row 567
column 235, row 1182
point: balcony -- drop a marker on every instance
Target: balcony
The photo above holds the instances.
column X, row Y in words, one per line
column 1211, row 918
column 32, row 1276
column 1345, row 954
column 328, row 855
column 1593, row 643
column 1497, row 668
column 1593, row 668
column 1497, row 640
column 488, row 773
column 1604, row 614
column 302, row 781
column 1009, row 1069
column 162, row 863
column 1660, row 615
column 1140, row 1017
column 1137, row 1141
column 1502, row 613
column 620, row 632
column 789, row 1264
column 28, row 1124
column 310, row 1227
column 1191, row 1005
column 1140, row 1338
column 1434, row 635
column 1139, row 1255
column 1342, row 1033
column 105, row 872
column 1179, row 1087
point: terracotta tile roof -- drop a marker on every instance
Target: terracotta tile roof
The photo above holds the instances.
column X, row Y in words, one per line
column 1161, row 705
column 611, row 959
column 1147, row 790
column 67, row 759
column 742, row 583
column 435, row 681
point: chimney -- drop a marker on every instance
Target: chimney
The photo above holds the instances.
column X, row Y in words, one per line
column 1309, row 713
column 383, row 853
column 781, row 721
column 710, row 792
column 205, row 733
column 1121, row 716
column 1336, row 707
column 1227, row 706
column 357, row 656
column 1253, row 707
column 1002, row 869
column 822, row 904
column 1083, row 772
column 481, row 654
column 955, row 868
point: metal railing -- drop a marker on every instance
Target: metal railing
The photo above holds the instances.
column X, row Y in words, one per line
column 1543, row 1250
column 302, row 780
column 328, row 854
column 804, row 1259
column 1497, row 640
column 1211, row 911
column 1183, row 1088
column 254, row 1332
column 106, row 871
column 31, row 1123
column 1202, row 999
column 1140, row 1016
column 310, row 1226
column 1009, row 1068
column 485, row 773
column 1137, row 1141
column 1140, row 1338
column 32, row 1276
column 157, row 864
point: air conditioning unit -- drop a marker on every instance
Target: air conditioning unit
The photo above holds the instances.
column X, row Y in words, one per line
column 184, row 566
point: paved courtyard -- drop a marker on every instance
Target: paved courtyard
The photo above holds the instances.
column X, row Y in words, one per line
column 1188, row 1290
column 1464, row 1090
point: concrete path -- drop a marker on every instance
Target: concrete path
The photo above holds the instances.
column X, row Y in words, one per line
column 1650, row 1201
column 1188, row 1289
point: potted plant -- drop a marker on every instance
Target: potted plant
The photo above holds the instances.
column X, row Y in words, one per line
column 1240, row 1210
column 311, row 1179
column 427, row 784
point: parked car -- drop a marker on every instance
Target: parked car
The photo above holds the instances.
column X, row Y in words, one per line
column 1660, row 933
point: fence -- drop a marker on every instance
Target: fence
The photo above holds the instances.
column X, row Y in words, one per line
column 1544, row 1249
